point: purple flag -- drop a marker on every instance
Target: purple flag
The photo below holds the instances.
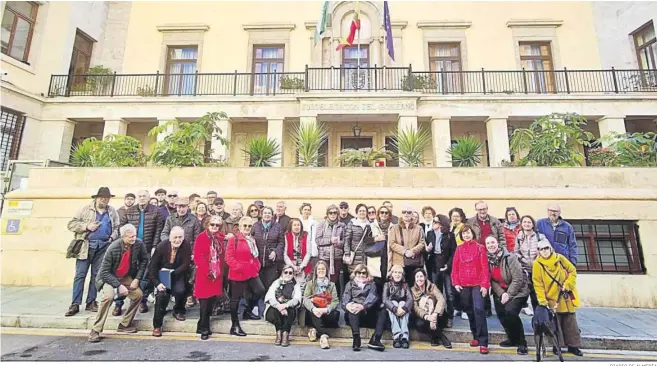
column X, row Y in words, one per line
column 387, row 25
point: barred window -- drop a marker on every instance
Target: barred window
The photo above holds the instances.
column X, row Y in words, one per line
column 608, row 246
column 11, row 129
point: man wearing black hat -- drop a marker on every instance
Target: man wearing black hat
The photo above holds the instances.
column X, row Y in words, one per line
column 128, row 202
column 97, row 224
column 218, row 208
column 344, row 216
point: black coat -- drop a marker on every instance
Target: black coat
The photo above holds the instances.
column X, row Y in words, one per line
column 271, row 241
column 284, row 221
column 181, row 264
column 153, row 223
column 447, row 246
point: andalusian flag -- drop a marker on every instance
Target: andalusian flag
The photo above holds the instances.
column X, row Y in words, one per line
column 355, row 26
column 320, row 29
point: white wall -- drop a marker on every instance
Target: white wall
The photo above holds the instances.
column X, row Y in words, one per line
column 614, row 21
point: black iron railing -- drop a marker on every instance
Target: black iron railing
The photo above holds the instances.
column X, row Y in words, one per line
column 516, row 82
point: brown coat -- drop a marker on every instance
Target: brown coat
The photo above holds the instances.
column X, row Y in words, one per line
column 433, row 293
column 413, row 240
column 513, row 276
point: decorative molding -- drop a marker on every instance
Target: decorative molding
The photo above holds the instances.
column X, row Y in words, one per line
column 449, row 24
column 310, row 25
column 268, row 26
column 533, row 23
column 183, row 28
column 401, row 24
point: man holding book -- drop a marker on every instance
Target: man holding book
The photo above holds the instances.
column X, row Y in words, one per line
column 169, row 271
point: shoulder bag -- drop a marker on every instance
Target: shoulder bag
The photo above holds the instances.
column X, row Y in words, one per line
column 417, row 261
column 74, row 247
column 348, row 259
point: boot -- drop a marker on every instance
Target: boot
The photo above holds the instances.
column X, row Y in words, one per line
column 356, row 342
column 236, row 330
column 576, row 351
column 279, row 337
column 286, row 339
column 375, row 343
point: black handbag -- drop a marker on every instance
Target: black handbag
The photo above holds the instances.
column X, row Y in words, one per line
column 74, row 247
column 417, row 261
column 375, row 250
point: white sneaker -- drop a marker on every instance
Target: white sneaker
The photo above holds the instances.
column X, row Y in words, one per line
column 464, row 316
column 151, row 298
column 528, row 310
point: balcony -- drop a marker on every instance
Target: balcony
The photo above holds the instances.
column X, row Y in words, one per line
column 371, row 79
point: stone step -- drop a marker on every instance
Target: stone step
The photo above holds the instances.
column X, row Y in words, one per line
column 221, row 325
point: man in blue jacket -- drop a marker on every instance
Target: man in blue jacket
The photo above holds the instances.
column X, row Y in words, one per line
column 559, row 232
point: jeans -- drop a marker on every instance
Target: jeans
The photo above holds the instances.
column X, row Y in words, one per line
column 94, row 259
column 473, row 305
column 444, row 282
column 399, row 325
column 178, row 291
column 509, row 316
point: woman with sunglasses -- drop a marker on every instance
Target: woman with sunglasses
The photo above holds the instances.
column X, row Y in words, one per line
column 359, row 297
column 282, row 299
column 442, row 244
column 253, row 212
column 202, row 211
column 429, row 308
column 309, row 226
column 510, row 292
column 555, row 282
column 358, row 236
column 244, row 267
column 329, row 237
column 297, row 251
column 209, row 261
column 471, row 278
column 511, row 227
column 320, row 299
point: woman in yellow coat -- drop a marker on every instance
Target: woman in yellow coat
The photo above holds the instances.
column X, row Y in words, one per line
column 555, row 283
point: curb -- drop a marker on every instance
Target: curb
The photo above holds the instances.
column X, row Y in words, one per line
column 262, row 328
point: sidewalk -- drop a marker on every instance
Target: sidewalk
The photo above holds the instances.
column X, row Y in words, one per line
column 44, row 307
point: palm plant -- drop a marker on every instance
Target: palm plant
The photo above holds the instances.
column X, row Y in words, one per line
column 552, row 140
column 465, row 152
column 361, row 157
column 262, row 152
column 411, row 144
column 307, row 139
column 87, row 153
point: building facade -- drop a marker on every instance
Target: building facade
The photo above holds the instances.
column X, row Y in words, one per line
column 477, row 69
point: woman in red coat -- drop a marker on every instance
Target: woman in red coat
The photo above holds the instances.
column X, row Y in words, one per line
column 209, row 259
column 244, row 267
column 471, row 278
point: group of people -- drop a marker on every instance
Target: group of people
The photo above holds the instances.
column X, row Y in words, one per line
column 420, row 269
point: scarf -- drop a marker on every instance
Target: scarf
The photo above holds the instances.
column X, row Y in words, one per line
column 216, row 251
column 266, row 225
column 494, row 259
column 384, row 225
column 396, row 290
column 359, row 283
column 512, row 225
column 285, row 291
column 321, row 285
column 252, row 246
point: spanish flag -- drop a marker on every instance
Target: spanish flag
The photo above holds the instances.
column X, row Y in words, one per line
column 355, row 26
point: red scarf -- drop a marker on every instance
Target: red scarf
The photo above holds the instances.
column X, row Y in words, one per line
column 290, row 248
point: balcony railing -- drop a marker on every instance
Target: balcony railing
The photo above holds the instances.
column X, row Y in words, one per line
column 519, row 82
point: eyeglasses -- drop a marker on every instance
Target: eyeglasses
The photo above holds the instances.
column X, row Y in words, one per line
column 288, row 272
column 215, row 225
column 371, row 212
column 344, row 207
column 384, row 213
column 172, row 195
column 554, row 211
column 333, row 213
column 362, row 273
column 544, row 248
column 256, row 210
column 407, row 212
column 247, row 226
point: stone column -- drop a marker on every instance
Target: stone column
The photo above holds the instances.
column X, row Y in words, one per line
column 219, row 150
column 161, row 121
column 498, row 140
column 375, row 56
column 406, row 123
column 442, row 140
column 609, row 124
column 275, row 131
column 55, row 139
column 115, row 127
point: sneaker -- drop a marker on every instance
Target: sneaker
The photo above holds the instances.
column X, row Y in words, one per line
column 94, row 337
column 128, row 329
column 72, row 310
column 92, row 306
column 474, row 343
column 507, row 344
column 396, row 343
column 405, row 344
column 464, row 316
column 483, row 350
column 312, row 335
column 528, row 311
column 324, row 342
column 522, row 350
column 151, row 298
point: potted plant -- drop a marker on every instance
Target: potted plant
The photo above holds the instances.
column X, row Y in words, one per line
column 289, row 82
column 145, row 91
column 465, row 152
column 364, row 157
column 307, row 139
column 419, row 82
column 262, row 152
column 552, row 140
column 411, row 144
column 99, row 79
column 632, row 149
column 113, row 151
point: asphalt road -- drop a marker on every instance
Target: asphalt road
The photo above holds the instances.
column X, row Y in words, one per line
column 73, row 347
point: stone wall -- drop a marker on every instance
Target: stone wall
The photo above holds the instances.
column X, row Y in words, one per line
column 37, row 256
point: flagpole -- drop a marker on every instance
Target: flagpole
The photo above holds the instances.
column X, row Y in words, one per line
column 358, row 58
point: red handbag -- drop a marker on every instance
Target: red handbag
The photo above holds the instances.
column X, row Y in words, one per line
column 322, row 300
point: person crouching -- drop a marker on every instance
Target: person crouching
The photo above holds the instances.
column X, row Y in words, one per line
column 282, row 299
